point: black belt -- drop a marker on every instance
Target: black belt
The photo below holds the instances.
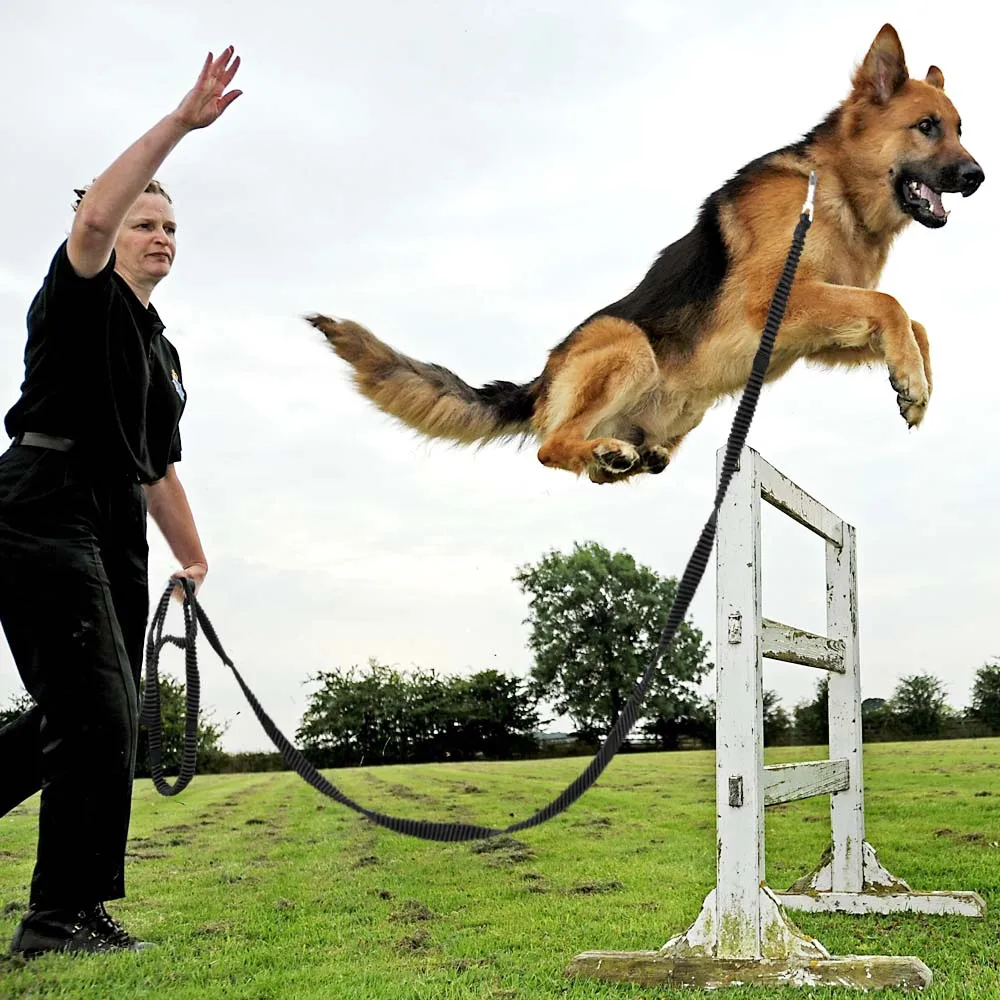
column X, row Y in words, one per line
column 35, row 440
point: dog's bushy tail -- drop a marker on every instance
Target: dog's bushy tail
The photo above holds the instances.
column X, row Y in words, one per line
column 426, row 397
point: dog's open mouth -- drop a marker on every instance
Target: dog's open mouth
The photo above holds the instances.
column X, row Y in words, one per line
column 920, row 200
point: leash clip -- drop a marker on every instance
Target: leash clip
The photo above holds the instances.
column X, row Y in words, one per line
column 807, row 205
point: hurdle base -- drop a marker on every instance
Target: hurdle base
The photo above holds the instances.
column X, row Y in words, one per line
column 882, row 892
column 955, row 904
column 656, row 968
column 775, row 953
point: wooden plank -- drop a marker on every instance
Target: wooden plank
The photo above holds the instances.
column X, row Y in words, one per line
column 654, row 969
column 793, row 645
column 788, row 782
column 779, row 491
column 957, row 904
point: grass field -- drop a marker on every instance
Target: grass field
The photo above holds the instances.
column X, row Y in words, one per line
column 255, row 887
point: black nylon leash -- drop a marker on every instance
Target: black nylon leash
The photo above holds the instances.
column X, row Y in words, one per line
column 194, row 615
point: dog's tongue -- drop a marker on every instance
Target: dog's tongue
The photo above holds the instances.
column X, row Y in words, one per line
column 933, row 199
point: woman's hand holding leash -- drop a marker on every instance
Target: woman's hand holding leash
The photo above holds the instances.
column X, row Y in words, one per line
column 196, row 573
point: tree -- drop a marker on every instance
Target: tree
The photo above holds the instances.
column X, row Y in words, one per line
column 777, row 724
column 680, row 716
column 920, row 706
column 18, row 704
column 812, row 718
column 878, row 721
column 595, row 622
column 382, row 716
column 357, row 717
column 173, row 705
column 985, row 707
column 497, row 715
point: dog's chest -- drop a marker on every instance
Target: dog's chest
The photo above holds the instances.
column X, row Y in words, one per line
column 855, row 263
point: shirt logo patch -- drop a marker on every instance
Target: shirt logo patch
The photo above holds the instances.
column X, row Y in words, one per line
column 177, row 384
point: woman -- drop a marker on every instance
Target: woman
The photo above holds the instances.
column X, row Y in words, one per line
column 95, row 443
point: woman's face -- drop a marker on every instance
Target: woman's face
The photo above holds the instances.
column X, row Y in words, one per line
column 147, row 241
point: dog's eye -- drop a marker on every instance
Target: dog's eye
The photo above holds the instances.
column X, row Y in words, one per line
column 927, row 126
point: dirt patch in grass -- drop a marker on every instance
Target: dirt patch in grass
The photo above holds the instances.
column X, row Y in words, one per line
column 464, row 964
column 504, row 851
column 398, row 790
column 206, row 930
column 405, row 792
column 593, row 888
column 418, row 941
column 366, row 862
column 535, row 883
column 412, row 912
column 974, row 837
column 597, row 821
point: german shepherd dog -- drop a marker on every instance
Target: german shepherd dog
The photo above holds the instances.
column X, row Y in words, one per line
column 620, row 393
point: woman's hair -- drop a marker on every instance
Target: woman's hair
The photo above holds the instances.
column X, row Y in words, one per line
column 153, row 187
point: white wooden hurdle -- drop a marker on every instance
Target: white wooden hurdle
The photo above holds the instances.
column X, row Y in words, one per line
column 743, row 934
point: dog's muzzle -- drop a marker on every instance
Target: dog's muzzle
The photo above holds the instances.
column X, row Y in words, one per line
column 969, row 176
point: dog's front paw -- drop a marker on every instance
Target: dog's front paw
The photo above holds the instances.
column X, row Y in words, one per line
column 654, row 459
column 913, row 393
column 615, row 457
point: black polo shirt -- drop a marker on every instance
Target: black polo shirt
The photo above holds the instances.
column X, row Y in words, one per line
column 99, row 370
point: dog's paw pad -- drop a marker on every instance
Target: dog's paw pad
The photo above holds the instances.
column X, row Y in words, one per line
column 654, row 459
column 912, row 396
column 912, row 412
column 617, row 457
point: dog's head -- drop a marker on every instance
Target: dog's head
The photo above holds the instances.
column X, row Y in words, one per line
column 906, row 135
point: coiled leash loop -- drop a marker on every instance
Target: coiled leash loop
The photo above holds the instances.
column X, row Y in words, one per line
column 455, row 832
column 151, row 716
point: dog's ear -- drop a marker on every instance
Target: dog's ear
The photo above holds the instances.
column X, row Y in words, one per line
column 935, row 78
column 883, row 70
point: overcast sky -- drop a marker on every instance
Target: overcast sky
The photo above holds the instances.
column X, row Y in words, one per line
column 471, row 180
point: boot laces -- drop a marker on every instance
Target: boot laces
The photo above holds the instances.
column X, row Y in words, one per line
column 109, row 928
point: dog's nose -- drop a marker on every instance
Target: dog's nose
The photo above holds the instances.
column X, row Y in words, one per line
column 970, row 176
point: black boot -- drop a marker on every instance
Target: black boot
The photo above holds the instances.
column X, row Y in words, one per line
column 91, row 929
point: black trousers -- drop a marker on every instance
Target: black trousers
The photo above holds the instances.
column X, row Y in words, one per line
column 73, row 604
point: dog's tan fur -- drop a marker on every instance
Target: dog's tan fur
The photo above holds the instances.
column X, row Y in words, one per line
column 619, row 395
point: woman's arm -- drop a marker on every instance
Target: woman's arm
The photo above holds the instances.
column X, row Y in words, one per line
column 108, row 199
column 169, row 508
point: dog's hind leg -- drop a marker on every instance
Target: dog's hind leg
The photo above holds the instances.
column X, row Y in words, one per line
column 601, row 374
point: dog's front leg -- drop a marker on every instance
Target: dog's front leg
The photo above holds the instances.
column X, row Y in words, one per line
column 823, row 320
column 920, row 335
